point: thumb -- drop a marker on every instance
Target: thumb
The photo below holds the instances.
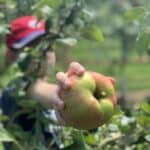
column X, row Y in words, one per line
column 75, row 69
column 63, row 80
column 58, row 104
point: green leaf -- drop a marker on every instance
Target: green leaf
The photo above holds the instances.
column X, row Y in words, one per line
column 113, row 127
column 117, row 110
column 51, row 3
column 143, row 42
column 23, row 61
column 38, row 146
column 2, row 1
column 48, row 24
column 28, row 103
column 3, row 118
column 54, row 3
column 68, row 41
column 93, row 32
column 2, row 15
column 4, row 29
column 90, row 13
column 144, row 120
column 90, row 139
column 78, row 139
column 147, row 137
column 146, row 108
column 127, row 120
column 1, row 146
column 5, row 136
column 46, row 10
column 135, row 13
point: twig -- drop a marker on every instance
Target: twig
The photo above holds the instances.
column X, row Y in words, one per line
column 110, row 139
column 53, row 35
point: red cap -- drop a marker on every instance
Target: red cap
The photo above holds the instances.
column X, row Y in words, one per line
column 24, row 30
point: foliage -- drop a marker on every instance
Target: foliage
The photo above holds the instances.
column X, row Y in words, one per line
column 122, row 132
column 67, row 22
column 140, row 17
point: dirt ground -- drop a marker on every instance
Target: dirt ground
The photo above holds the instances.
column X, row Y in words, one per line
column 135, row 97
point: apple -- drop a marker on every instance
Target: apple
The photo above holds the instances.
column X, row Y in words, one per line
column 89, row 99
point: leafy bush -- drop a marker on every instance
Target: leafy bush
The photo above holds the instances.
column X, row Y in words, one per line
column 66, row 22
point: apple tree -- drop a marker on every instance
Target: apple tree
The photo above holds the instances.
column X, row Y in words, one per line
column 68, row 21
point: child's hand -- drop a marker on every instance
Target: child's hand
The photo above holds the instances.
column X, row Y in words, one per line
column 75, row 69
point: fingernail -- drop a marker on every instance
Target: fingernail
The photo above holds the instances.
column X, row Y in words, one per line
column 113, row 81
column 67, row 84
column 80, row 71
column 59, row 76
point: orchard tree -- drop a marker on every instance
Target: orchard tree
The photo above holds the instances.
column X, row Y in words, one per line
column 66, row 22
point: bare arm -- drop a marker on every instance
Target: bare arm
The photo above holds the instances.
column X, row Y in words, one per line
column 45, row 93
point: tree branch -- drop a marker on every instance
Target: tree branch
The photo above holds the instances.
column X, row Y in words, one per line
column 110, row 139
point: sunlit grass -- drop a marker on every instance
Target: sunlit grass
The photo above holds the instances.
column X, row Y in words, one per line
column 97, row 58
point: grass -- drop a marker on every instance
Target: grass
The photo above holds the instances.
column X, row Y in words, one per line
column 99, row 58
column 138, row 76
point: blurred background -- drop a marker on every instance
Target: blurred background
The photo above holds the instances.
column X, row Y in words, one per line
column 117, row 45
column 124, row 53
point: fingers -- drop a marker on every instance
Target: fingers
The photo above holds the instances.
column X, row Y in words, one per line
column 65, row 83
column 113, row 81
column 76, row 69
column 63, row 80
column 59, row 104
